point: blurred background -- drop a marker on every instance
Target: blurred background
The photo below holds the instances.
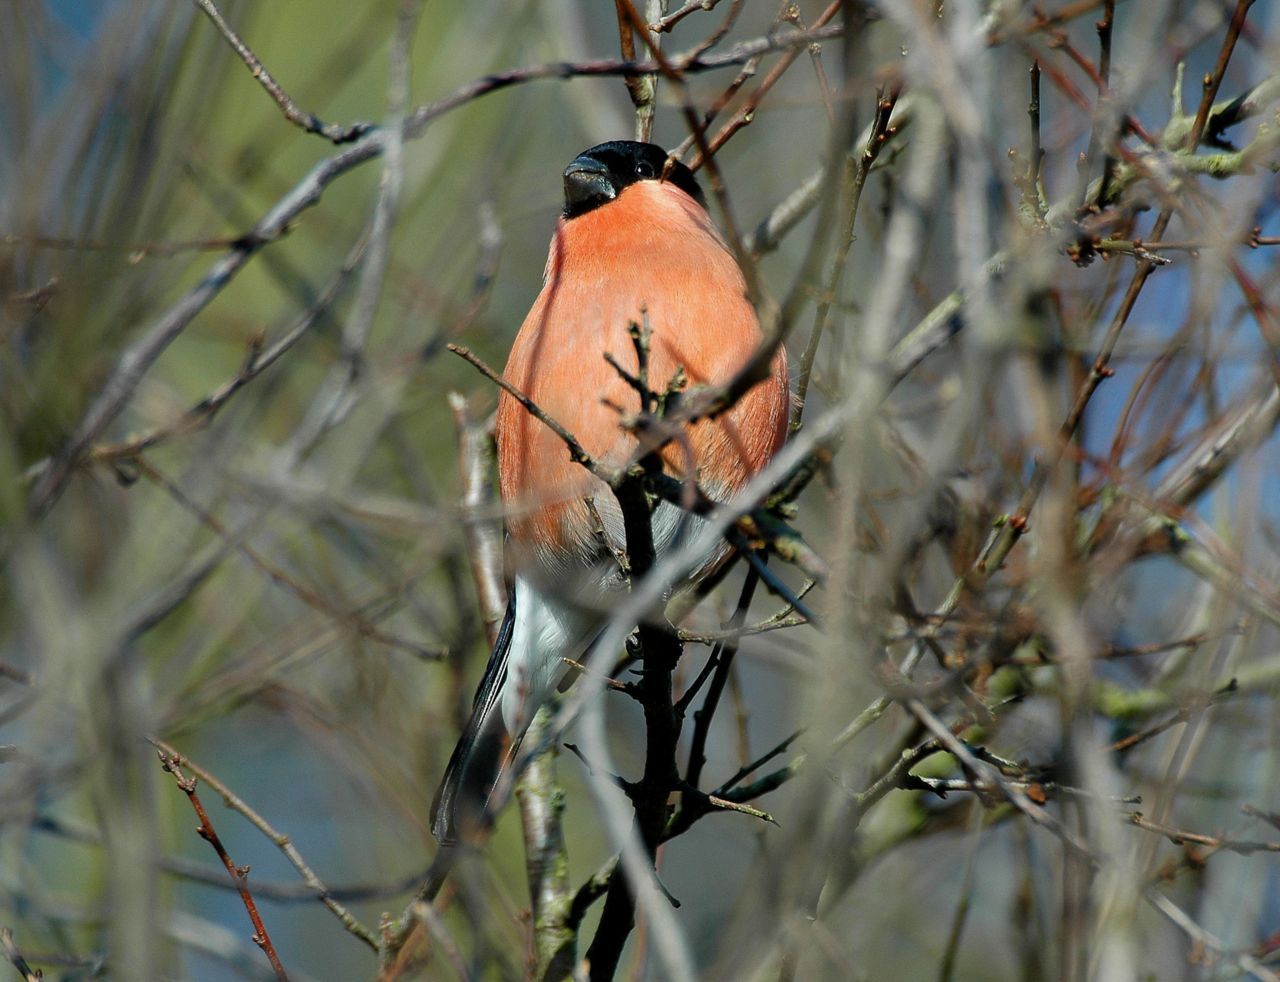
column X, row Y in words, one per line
column 264, row 565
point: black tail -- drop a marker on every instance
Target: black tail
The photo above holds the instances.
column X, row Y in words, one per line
column 460, row 808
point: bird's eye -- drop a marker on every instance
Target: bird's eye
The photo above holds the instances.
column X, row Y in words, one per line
column 644, row 170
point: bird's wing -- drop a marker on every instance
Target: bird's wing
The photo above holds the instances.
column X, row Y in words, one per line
column 477, row 760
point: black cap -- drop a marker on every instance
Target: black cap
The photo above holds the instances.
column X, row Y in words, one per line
column 597, row 176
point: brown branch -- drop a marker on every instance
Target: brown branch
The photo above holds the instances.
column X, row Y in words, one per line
column 1040, row 20
column 257, row 360
column 15, row 957
column 299, row 117
column 135, row 251
column 172, row 764
column 1181, row 837
column 1248, row 104
column 642, row 89
column 576, row 451
column 1181, row 716
column 1213, row 81
column 283, row 842
column 671, row 20
column 687, row 63
column 746, row 113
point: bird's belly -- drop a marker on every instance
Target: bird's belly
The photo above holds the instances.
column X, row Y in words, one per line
column 663, row 268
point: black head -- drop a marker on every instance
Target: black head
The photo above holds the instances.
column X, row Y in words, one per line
column 599, row 175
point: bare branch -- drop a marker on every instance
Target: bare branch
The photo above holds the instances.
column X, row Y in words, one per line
column 308, row 122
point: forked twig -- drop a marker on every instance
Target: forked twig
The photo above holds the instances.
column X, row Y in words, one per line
column 172, row 764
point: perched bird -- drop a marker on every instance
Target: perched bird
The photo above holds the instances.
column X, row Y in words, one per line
column 634, row 244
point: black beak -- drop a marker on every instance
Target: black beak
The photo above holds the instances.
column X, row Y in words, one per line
column 587, row 184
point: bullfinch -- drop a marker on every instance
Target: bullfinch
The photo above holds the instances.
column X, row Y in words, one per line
column 634, row 244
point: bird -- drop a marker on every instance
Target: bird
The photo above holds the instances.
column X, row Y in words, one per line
column 634, row 244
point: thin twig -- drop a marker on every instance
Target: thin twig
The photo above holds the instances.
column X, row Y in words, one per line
column 282, row 841
column 722, row 658
column 1246, row 962
column 299, row 117
column 172, row 764
column 1213, row 81
column 880, row 134
column 744, row 116
column 1181, row 716
column 576, row 451
column 257, row 360
column 1181, row 837
column 484, row 536
column 15, row 957
column 665, row 24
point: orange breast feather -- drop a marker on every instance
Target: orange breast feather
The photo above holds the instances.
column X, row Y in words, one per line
column 652, row 248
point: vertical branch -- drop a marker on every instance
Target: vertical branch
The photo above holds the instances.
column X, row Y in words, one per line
column 1213, row 80
column 1105, row 26
column 172, row 764
column 483, row 536
column 1103, row 116
column 1033, row 198
column 541, row 801
column 643, row 89
column 540, row 798
column 723, row 657
column 660, row 653
column 853, row 184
